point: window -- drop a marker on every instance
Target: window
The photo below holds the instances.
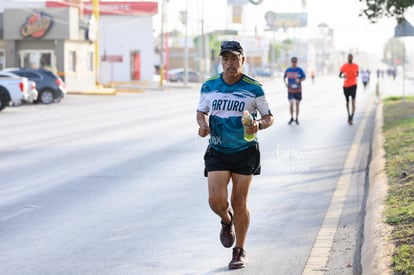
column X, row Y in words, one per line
column 72, row 61
column 35, row 59
column 89, row 62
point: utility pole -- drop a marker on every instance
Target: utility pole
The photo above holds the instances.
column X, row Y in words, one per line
column 95, row 4
column 162, row 44
column 186, row 45
column 403, row 29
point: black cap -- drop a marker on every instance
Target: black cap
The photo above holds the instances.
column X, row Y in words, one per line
column 231, row 46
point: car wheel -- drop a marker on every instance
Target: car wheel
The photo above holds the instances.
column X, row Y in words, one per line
column 46, row 96
column 4, row 98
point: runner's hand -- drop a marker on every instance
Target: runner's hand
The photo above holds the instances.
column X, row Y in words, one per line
column 203, row 131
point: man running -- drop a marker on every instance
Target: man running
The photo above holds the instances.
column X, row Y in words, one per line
column 349, row 71
column 229, row 157
column 293, row 78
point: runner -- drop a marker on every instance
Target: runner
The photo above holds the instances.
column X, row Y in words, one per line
column 293, row 78
column 349, row 71
column 223, row 99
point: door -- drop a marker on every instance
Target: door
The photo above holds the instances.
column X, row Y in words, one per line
column 135, row 65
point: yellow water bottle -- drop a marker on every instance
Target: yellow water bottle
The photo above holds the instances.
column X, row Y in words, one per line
column 247, row 121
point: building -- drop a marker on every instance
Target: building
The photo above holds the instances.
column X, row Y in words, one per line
column 63, row 36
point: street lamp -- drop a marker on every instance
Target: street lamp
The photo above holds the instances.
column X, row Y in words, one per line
column 162, row 44
column 96, row 43
column 184, row 20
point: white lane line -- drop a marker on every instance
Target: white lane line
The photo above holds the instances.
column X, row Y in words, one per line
column 319, row 256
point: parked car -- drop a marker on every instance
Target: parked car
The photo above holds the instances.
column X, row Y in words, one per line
column 51, row 87
column 262, row 72
column 4, row 98
column 15, row 89
column 177, row 75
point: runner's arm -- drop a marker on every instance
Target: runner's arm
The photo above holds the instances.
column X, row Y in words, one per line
column 203, row 129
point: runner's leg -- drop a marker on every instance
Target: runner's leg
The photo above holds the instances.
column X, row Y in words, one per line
column 218, row 194
column 239, row 194
column 291, row 106
column 297, row 109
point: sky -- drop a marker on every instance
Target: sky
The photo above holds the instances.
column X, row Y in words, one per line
column 350, row 30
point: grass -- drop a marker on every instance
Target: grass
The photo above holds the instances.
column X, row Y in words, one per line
column 398, row 132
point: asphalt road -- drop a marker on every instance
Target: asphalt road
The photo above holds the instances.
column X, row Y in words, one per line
column 114, row 185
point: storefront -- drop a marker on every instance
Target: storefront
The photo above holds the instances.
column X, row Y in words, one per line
column 49, row 38
column 61, row 36
column 125, row 38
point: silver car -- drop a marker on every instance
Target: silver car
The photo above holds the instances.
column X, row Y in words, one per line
column 19, row 88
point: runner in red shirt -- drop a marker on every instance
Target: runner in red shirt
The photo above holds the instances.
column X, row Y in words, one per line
column 349, row 71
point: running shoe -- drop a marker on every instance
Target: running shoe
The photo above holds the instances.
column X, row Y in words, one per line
column 297, row 122
column 227, row 236
column 291, row 120
column 239, row 259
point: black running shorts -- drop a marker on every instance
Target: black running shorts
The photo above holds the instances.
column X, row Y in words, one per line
column 350, row 92
column 246, row 162
column 296, row 96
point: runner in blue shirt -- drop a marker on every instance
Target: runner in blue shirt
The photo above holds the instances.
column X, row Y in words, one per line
column 293, row 78
column 229, row 156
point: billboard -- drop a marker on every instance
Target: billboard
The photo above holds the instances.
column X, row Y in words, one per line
column 237, row 2
column 284, row 20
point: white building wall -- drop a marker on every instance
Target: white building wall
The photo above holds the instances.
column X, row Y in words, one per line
column 119, row 35
column 4, row 4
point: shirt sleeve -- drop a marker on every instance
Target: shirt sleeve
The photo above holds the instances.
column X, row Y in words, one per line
column 203, row 105
column 263, row 106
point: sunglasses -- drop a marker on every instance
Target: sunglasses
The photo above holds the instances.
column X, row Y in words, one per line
column 294, row 61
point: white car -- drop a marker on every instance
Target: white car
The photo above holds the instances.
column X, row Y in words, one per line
column 18, row 88
column 177, row 75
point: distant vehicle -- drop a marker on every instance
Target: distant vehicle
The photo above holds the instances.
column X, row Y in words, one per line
column 262, row 72
column 51, row 87
column 15, row 89
column 177, row 75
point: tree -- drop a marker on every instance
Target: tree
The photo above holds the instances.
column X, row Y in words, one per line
column 375, row 9
column 287, row 46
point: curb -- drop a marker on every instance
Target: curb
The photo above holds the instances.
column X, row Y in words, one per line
column 94, row 92
column 129, row 90
column 377, row 249
column 106, row 91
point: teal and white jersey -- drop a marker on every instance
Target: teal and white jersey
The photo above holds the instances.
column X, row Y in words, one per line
column 225, row 105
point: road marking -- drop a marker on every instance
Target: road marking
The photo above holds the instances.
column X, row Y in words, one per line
column 319, row 256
